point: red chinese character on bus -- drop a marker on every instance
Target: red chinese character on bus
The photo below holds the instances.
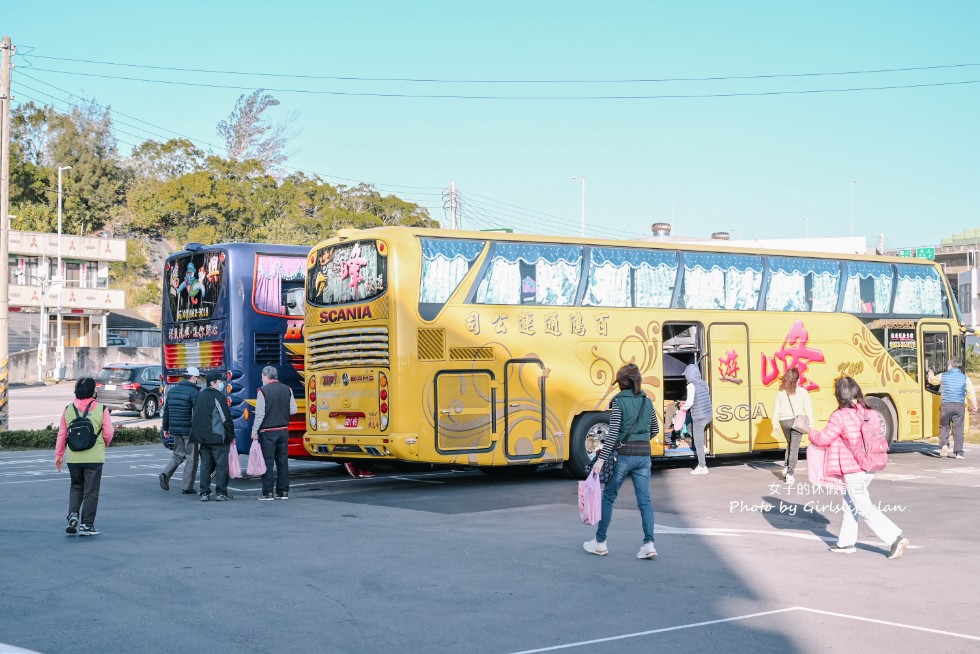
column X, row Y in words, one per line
column 793, row 354
column 351, row 268
column 728, row 367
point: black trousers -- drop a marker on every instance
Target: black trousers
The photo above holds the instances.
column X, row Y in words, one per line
column 86, row 480
column 274, row 445
column 214, row 458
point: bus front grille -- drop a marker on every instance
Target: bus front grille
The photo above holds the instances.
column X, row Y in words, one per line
column 367, row 346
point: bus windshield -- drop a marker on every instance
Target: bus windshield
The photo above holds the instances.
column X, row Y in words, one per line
column 194, row 284
column 349, row 272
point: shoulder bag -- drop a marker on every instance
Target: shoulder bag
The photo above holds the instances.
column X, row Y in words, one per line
column 801, row 422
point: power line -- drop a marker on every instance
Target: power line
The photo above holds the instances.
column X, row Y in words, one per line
column 454, row 96
column 354, row 78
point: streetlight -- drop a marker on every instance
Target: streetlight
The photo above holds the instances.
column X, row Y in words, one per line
column 60, row 350
column 582, row 178
column 42, row 330
column 853, row 182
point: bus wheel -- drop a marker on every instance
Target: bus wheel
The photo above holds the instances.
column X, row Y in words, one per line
column 587, row 433
column 889, row 417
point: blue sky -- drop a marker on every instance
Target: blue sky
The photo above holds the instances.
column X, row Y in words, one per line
column 766, row 166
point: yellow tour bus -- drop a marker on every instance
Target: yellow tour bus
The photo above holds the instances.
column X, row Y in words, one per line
column 492, row 349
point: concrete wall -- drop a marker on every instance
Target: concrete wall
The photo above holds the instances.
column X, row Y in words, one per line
column 79, row 361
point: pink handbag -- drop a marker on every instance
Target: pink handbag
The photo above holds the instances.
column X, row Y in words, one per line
column 234, row 465
column 816, row 468
column 590, row 499
column 256, row 462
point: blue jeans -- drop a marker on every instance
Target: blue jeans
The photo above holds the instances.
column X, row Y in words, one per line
column 638, row 468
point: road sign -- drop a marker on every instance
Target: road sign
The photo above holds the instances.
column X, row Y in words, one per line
column 907, row 252
column 925, row 253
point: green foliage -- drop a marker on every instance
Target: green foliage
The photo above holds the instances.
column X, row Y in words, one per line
column 173, row 191
column 972, row 363
column 46, row 439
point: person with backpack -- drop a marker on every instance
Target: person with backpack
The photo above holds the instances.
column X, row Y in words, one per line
column 856, row 449
column 213, row 429
column 177, row 411
column 956, row 391
column 85, row 430
column 698, row 403
column 632, row 424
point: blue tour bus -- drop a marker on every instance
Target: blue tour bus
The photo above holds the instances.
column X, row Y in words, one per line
column 237, row 307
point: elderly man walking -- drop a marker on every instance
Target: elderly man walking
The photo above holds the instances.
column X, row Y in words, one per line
column 177, row 412
column 957, row 391
column 274, row 403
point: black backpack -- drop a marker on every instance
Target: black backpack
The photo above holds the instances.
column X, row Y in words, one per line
column 81, row 431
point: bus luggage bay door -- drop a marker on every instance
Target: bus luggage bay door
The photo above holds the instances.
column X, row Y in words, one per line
column 524, row 398
column 465, row 422
column 728, row 373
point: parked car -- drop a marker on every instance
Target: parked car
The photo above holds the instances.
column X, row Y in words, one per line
column 130, row 387
column 116, row 341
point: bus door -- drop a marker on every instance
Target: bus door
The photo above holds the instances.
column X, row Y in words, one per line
column 936, row 339
column 465, row 422
column 728, row 372
column 524, row 409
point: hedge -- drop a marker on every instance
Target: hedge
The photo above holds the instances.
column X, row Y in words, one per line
column 45, row 439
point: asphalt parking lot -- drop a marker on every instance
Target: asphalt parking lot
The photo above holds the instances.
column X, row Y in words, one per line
column 420, row 560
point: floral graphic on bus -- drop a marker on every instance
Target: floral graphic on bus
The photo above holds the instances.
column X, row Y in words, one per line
column 795, row 353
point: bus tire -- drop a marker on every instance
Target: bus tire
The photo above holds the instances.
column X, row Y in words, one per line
column 587, row 432
column 889, row 417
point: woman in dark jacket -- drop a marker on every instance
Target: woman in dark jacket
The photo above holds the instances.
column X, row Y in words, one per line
column 634, row 422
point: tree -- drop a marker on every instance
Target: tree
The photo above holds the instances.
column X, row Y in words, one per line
column 162, row 161
column 248, row 136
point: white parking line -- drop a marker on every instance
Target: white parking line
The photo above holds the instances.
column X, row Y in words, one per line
column 746, row 617
column 654, row 631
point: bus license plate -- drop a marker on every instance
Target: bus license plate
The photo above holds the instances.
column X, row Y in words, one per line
column 350, row 422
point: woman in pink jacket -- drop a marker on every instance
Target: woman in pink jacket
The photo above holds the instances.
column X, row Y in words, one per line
column 841, row 437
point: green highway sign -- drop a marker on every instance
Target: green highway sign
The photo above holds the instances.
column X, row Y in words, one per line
column 907, row 252
column 925, row 253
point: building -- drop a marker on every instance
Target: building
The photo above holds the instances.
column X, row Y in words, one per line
column 82, row 300
column 836, row 245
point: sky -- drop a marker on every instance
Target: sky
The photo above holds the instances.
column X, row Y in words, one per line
column 533, row 94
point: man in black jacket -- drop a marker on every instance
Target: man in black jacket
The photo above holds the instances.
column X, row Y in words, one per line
column 213, row 430
column 177, row 411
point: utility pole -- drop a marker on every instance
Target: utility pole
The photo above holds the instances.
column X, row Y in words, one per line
column 450, row 203
column 5, row 97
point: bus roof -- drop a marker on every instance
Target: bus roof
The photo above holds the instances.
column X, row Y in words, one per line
column 701, row 246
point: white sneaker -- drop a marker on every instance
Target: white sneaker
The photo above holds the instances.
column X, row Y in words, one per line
column 700, row 470
column 595, row 547
column 790, row 479
column 648, row 551
column 944, row 451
